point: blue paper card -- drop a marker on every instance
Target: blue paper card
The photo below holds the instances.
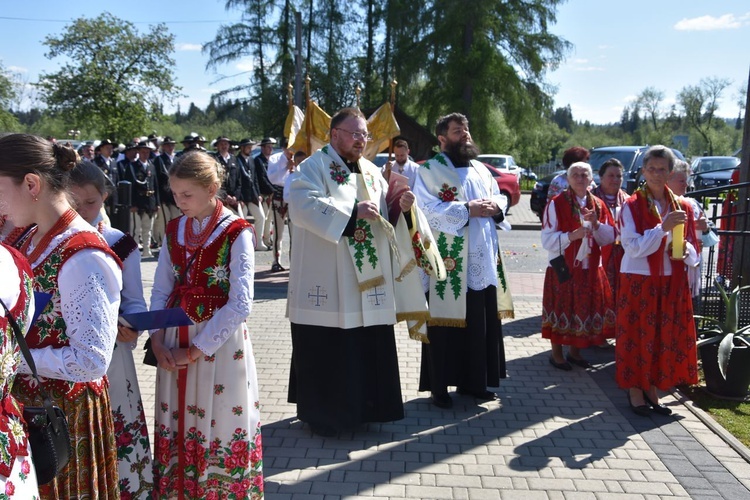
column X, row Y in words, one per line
column 154, row 320
column 41, row 299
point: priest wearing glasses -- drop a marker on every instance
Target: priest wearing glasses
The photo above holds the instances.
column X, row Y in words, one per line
column 349, row 283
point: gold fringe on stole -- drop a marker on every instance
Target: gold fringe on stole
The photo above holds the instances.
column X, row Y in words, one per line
column 406, row 270
column 371, row 283
column 415, row 321
column 506, row 315
column 451, row 322
column 390, row 233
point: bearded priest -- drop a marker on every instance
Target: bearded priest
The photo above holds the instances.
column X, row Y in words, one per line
column 462, row 203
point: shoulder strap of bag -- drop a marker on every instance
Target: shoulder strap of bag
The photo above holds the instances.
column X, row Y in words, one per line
column 30, row 361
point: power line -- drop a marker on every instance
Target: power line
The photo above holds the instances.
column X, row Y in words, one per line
column 134, row 22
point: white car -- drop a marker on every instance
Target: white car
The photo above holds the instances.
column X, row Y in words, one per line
column 504, row 163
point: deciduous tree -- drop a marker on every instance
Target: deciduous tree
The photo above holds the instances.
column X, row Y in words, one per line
column 7, row 93
column 699, row 104
column 114, row 77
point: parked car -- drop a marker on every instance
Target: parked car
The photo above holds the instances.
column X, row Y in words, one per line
column 713, row 171
column 507, row 183
column 505, row 163
column 631, row 158
column 539, row 192
column 526, row 173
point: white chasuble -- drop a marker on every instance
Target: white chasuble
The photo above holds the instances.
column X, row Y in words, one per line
column 341, row 281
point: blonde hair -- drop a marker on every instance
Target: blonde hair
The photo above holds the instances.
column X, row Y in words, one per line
column 198, row 167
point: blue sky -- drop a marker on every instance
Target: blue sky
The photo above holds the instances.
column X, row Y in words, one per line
column 618, row 48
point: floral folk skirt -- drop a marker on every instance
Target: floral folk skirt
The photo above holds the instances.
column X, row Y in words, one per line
column 580, row 311
column 131, row 433
column 92, row 469
column 207, row 440
column 655, row 334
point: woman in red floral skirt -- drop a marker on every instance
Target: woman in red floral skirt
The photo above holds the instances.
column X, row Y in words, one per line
column 655, row 328
column 578, row 312
column 207, row 441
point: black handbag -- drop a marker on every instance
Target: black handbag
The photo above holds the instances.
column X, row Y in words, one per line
column 49, row 437
column 149, row 358
column 560, row 266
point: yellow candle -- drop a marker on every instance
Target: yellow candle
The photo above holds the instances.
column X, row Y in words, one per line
column 678, row 241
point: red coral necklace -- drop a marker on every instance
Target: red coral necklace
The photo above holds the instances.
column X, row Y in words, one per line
column 194, row 241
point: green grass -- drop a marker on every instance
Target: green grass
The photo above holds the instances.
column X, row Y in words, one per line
column 734, row 416
column 527, row 184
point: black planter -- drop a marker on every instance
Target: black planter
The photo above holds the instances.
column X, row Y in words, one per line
column 738, row 373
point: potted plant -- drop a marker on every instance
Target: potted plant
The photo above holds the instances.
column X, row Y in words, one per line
column 725, row 348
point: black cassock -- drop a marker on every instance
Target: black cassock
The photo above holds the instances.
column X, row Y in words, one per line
column 341, row 378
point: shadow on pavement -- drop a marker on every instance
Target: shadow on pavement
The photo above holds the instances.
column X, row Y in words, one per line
column 575, row 422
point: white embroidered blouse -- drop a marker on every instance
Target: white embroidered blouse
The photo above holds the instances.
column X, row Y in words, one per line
column 227, row 319
column 90, row 282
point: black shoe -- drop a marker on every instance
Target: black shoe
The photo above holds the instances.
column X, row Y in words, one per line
column 480, row 395
column 578, row 361
column 642, row 410
column 560, row 366
column 323, row 430
column 657, row 407
column 442, row 400
column 276, row 267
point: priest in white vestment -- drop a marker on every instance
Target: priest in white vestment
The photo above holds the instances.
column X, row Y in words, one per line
column 462, row 203
column 350, row 281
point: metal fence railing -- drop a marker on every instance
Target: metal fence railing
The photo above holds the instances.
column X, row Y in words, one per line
column 722, row 207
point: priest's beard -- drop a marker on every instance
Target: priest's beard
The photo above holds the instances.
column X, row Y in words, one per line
column 461, row 152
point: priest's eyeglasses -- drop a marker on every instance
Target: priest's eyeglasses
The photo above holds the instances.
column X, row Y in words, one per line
column 357, row 136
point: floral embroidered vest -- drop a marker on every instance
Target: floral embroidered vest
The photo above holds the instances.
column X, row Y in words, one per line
column 208, row 288
column 12, row 433
column 50, row 329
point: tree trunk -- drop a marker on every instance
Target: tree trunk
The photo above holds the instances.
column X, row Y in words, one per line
column 390, row 17
column 370, row 57
column 468, row 88
column 740, row 260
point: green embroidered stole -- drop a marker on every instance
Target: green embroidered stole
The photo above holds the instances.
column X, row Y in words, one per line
column 447, row 298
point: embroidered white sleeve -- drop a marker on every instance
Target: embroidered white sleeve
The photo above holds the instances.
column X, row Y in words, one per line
column 90, row 283
column 228, row 319
column 446, row 217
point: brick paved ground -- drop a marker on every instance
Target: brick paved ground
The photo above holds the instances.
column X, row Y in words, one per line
column 552, row 435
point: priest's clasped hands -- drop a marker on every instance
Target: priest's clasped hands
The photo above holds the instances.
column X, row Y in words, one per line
column 482, row 207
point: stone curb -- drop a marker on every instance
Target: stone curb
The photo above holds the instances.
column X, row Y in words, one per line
column 712, row 424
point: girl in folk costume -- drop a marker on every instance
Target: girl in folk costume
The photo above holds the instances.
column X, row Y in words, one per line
column 89, row 191
column 73, row 339
column 207, row 440
column 577, row 312
column 655, row 328
column 611, row 193
column 17, row 474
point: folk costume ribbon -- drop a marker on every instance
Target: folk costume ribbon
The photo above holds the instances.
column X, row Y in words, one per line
column 648, row 216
